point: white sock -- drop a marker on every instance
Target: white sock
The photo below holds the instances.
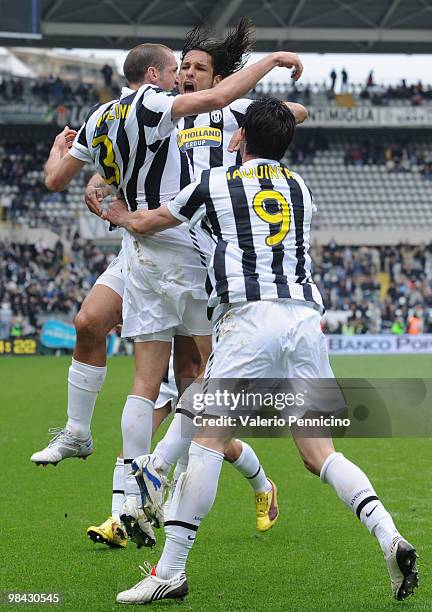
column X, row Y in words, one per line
column 354, row 488
column 136, row 424
column 192, row 501
column 84, row 384
column 249, row 466
column 181, row 466
column 175, row 442
column 118, row 488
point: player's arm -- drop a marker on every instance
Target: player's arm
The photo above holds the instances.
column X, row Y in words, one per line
column 142, row 222
column 61, row 167
column 235, row 86
column 187, row 207
column 299, row 111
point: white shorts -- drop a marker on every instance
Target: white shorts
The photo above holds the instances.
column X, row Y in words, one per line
column 164, row 291
column 270, row 339
column 113, row 276
column 274, row 339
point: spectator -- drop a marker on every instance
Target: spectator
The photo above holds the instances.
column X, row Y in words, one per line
column 344, row 76
column 5, row 320
column 107, row 73
column 415, row 324
column 398, row 327
column 333, row 77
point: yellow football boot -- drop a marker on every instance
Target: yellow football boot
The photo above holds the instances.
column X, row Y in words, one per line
column 110, row 533
column 267, row 510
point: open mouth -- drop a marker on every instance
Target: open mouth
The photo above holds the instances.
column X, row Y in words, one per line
column 188, row 87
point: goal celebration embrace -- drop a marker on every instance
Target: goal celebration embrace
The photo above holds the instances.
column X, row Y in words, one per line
column 226, row 281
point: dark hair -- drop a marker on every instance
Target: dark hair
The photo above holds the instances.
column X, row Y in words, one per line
column 269, row 127
column 228, row 54
column 140, row 58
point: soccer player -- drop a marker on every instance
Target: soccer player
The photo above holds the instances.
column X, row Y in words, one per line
column 260, row 213
column 205, row 62
column 132, row 143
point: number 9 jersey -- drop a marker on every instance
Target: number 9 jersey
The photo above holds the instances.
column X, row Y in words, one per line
column 260, row 213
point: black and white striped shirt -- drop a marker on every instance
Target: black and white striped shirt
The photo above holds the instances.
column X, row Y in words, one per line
column 205, row 137
column 132, row 142
column 260, row 214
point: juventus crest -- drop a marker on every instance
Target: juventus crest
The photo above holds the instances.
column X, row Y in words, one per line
column 216, row 116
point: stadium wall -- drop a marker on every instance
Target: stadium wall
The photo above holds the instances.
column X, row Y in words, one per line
column 372, row 237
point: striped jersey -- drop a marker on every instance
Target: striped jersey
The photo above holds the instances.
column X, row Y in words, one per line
column 132, row 142
column 205, row 137
column 260, row 214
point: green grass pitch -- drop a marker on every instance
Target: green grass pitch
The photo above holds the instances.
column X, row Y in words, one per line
column 318, row 556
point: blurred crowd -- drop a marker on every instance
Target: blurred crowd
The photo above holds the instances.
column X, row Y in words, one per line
column 24, row 199
column 51, row 91
column 55, row 91
column 37, row 283
column 385, row 289
column 397, row 156
column 414, row 94
column 368, row 289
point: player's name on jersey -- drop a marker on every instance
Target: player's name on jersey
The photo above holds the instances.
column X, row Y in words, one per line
column 199, row 137
column 117, row 111
column 262, row 171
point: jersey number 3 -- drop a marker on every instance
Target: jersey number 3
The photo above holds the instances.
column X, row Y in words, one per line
column 281, row 217
column 110, row 166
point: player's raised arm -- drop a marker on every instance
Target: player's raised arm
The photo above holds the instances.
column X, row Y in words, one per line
column 61, row 167
column 299, row 111
column 235, row 86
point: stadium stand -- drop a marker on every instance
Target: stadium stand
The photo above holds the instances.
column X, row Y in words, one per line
column 24, row 200
column 371, row 179
column 37, row 283
column 380, row 289
column 373, row 289
column 404, row 94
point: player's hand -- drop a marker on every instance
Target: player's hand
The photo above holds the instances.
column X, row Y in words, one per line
column 93, row 197
column 117, row 212
column 286, row 59
column 63, row 141
column 234, row 143
column 70, row 137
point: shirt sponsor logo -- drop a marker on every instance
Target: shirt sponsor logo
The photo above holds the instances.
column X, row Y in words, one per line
column 199, row 137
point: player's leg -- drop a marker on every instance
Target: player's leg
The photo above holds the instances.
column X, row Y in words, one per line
column 176, row 441
column 355, row 490
column 244, row 459
column 193, row 497
column 152, row 354
column 197, row 487
column 309, row 359
column 188, row 361
column 188, row 352
column 99, row 313
column 111, row 532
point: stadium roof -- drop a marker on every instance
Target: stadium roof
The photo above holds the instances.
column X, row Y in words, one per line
column 379, row 26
